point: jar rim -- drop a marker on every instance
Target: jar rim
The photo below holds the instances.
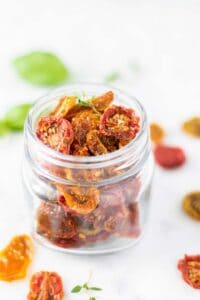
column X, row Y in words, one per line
column 83, row 160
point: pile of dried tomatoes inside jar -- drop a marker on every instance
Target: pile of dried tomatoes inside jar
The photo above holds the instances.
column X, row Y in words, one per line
column 85, row 214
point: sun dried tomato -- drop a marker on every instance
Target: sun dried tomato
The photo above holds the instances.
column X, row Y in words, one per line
column 94, row 143
column 64, row 105
column 102, row 102
column 190, row 268
column 77, row 150
column 83, row 122
column 119, row 122
column 15, row 258
column 82, row 200
column 168, row 156
column 74, row 242
column 191, row 204
column 192, row 127
column 156, row 132
column 53, row 222
column 55, row 132
column 46, row 285
column 110, row 142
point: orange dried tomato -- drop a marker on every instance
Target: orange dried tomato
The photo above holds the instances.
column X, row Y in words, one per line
column 190, row 269
column 191, row 204
column 82, row 200
column 168, row 156
column 54, row 223
column 83, row 122
column 102, row 102
column 156, row 132
column 63, row 106
column 94, row 143
column 15, row 258
column 119, row 122
column 56, row 133
column 46, row 285
column 192, row 127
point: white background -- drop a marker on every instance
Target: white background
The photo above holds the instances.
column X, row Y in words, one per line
column 161, row 39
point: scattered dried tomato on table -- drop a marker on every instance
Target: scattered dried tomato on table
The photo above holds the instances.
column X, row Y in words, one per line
column 190, row 269
column 191, row 204
column 156, row 133
column 15, row 258
column 46, row 285
column 169, row 157
column 82, row 215
column 192, row 127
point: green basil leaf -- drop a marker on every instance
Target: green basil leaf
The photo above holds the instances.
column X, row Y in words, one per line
column 16, row 116
column 92, row 298
column 4, row 129
column 76, row 289
column 41, row 68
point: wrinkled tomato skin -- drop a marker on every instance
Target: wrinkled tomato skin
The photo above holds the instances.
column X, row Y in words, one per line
column 169, row 157
column 56, row 133
column 190, row 269
column 120, row 128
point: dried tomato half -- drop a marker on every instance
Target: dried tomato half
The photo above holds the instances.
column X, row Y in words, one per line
column 77, row 150
column 64, row 105
column 192, row 127
column 46, row 285
column 191, row 204
column 15, row 258
column 190, row 268
column 168, row 156
column 54, row 222
column 82, row 200
column 120, row 122
column 83, row 122
column 94, row 143
column 102, row 102
column 55, row 132
column 156, row 132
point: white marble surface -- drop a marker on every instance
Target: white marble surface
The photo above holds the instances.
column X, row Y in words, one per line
column 95, row 37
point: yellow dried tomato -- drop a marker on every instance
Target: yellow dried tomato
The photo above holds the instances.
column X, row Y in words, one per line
column 192, row 126
column 82, row 200
column 191, row 204
column 156, row 132
column 63, row 106
column 15, row 258
column 102, row 102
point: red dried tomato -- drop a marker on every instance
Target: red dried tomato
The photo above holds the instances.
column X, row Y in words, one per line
column 54, row 222
column 168, row 156
column 46, row 285
column 56, row 133
column 190, row 268
column 120, row 122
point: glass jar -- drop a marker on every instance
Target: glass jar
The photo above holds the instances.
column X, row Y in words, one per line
column 111, row 191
